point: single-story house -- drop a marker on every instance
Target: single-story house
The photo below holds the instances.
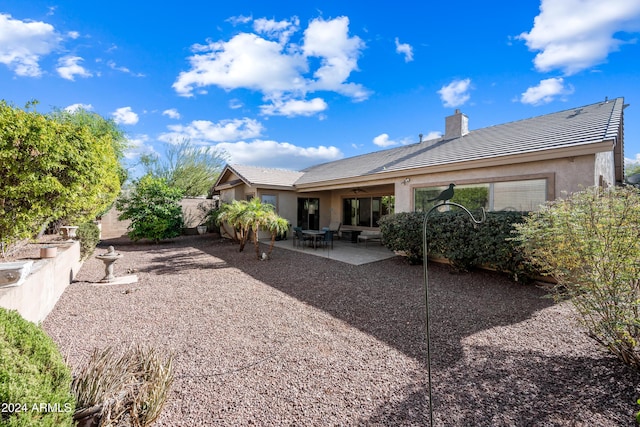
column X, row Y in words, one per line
column 514, row 166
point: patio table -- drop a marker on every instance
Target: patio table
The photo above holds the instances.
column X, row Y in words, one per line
column 314, row 234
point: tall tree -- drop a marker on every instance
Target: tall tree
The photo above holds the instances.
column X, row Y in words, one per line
column 53, row 167
column 192, row 169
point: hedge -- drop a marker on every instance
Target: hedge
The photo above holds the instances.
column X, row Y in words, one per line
column 454, row 236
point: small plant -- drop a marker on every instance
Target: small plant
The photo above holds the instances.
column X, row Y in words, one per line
column 34, row 380
column 129, row 386
column 638, row 414
column 89, row 235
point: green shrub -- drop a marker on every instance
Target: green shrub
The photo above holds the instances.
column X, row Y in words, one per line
column 403, row 232
column 590, row 244
column 153, row 208
column 454, row 236
column 33, row 375
column 89, row 235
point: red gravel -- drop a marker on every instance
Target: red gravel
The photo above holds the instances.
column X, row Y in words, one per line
column 303, row 340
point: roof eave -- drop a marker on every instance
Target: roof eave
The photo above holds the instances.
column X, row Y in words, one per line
column 527, row 157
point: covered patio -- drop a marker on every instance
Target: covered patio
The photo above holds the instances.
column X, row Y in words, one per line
column 343, row 250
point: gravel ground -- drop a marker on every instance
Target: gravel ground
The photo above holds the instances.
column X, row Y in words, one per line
column 306, row 341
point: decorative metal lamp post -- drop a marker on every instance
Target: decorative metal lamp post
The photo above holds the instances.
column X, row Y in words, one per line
column 444, row 196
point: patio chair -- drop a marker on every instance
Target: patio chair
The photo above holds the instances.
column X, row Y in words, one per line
column 328, row 237
column 298, row 237
column 334, row 228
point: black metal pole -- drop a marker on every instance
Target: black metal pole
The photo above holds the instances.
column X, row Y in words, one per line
column 425, row 257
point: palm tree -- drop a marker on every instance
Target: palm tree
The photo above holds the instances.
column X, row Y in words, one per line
column 248, row 218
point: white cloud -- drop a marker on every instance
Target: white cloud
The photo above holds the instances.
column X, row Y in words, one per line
column 75, row 107
column 240, row 19
column 204, row 132
column 434, row 134
column 23, row 43
column 172, row 113
column 383, row 140
column 278, row 154
column 269, row 63
column 235, row 104
column 245, row 61
column 404, row 49
column 455, row 93
column 546, row 91
column 573, row 35
column 125, row 116
column 330, row 41
column 138, row 145
column 294, row 107
column 633, row 161
column 281, row 30
column 69, row 67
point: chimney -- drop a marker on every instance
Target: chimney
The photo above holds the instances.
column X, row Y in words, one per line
column 456, row 125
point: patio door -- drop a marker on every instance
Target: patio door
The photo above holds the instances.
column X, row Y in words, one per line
column 309, row 213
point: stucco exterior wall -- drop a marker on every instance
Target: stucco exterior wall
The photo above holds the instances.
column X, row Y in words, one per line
column 564, row 175
column 605, row 169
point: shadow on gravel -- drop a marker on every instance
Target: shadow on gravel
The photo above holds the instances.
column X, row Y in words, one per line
column 385, row 299
column 489, row 387
column 534, row 390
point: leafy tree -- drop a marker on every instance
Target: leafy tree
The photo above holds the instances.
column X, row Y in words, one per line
column 247, row 218
column 154, row 209
column 192, row 169
column 53, row 167
column 589, row 243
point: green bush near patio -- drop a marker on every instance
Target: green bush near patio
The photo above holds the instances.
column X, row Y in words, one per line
column 34, row 380
column 453, row 236
column 590, row 244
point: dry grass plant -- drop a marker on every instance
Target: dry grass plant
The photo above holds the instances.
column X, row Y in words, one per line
column 127, row 387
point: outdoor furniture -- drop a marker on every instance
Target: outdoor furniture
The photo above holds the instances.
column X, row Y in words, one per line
column 328, row 238
column 370, row 235
column 298, row 236
column 313, row 235
column 351, row 235
column 334, row 228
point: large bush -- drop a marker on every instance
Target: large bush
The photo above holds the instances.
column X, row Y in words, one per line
column 33, row 375
column 454, row 236
column 64, row 165
column 153, row 208
column 590, row 243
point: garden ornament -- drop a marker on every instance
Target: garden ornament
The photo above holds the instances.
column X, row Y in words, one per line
column 445, row 195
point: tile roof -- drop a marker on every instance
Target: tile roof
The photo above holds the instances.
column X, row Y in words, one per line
column 569, row 128
column 265, row 176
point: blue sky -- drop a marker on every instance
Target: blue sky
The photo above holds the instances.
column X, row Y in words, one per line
column 290, row 84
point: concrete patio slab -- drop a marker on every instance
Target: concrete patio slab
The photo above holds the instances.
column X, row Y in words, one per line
column 343, row 251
